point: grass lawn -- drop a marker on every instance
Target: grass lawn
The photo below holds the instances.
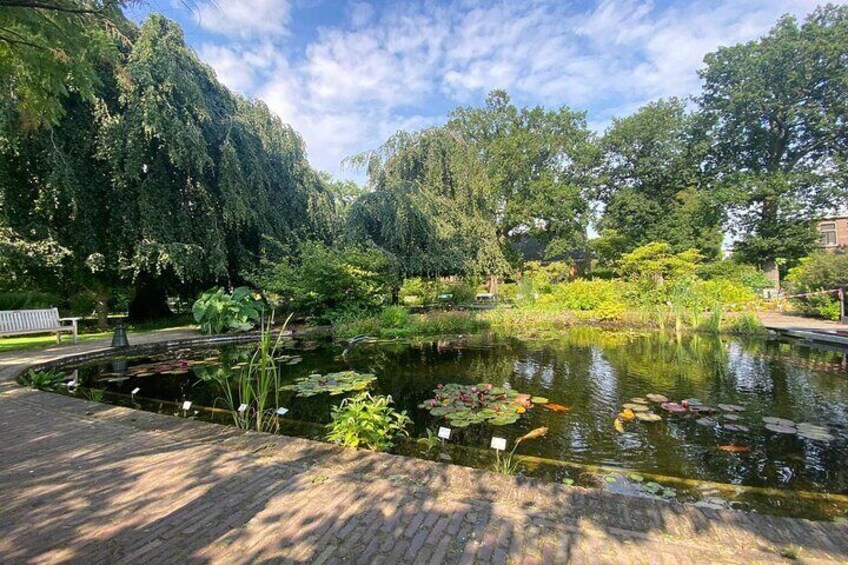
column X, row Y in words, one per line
column 22, row 343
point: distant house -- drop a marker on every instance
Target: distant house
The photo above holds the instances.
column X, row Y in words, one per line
column 833, row 232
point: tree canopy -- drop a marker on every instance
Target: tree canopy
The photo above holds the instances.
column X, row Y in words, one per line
column 775, row 110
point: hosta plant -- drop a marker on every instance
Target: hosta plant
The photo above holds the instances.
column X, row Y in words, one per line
column 367, row 421
column 218, row 311
column 42, row 380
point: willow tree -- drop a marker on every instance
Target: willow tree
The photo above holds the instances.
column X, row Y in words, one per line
column 164, row 179
column 429, row 207
column 539, row 164
column 650, row 182
column 776, row 110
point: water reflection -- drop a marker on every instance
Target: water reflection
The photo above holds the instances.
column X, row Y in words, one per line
column 593, row 372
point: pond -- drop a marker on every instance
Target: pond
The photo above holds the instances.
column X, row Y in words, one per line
column 729, row 433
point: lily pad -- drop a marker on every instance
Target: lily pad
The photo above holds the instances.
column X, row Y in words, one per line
column 777, row 428
column 673, row 407
column 465, row 405
column 778, row 421
column 692, row 402
column 736, row 428
column 332, row 383
column 657, row 397
column 636, row 407
column 731, row 407
column 707, row 421
column 731, row 417
column 816, row 436
column 648, row 417
column 639, row 400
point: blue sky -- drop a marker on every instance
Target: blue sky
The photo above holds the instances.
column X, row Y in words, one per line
column 348, row 73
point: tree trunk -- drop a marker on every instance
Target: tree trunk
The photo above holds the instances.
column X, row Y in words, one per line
column 150, row 301
column 102, row 308
column 772, row 272
column 395, row 295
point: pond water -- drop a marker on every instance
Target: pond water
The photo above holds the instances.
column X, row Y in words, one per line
column 590, row 374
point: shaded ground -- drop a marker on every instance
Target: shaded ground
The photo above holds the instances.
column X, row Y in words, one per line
column 91, row 483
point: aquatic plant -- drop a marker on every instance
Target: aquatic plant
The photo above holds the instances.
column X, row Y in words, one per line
column 464, row 405
column 42, row 380
column 332, row 383
column 367, row 421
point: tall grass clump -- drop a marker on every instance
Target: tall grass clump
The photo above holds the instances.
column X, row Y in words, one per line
column 746, row 323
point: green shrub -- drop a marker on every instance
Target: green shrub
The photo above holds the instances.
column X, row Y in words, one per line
column 394, row 317
column 367, row 421
column 327, row 283
column 606, row 298
column 217, row 311
column 434, row 323
column 819, row 271
column 725, row 291
column 740, row 273
column 27, row 299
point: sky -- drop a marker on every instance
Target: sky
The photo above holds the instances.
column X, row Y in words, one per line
column 346, row 74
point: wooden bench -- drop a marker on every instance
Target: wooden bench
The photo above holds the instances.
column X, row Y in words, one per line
column 47, row 320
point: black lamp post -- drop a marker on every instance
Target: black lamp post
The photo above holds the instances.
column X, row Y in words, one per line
column 119, row 338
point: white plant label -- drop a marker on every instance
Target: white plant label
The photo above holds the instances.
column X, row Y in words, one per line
column 186, row 404
column 242, row 408
column 498, row 443
column 282, row 411
column 135, row 391
column 444, row 433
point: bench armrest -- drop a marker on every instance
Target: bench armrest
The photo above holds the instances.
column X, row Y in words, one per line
column 69, row 319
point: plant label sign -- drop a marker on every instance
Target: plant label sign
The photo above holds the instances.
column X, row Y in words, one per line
column 282, row 411
column 444, row 433
column 135, row 391
column 186, row 404
column 242, row 408
column 498, row 444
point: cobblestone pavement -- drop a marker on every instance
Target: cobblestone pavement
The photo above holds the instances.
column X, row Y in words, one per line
column 90, row 483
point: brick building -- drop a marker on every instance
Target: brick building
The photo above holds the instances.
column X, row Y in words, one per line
column 833, row 232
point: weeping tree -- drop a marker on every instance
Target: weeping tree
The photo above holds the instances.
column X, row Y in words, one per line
column 775, row 110
column 429, row 207
column 164, row 179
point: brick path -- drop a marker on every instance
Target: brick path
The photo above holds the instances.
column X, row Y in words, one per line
column 91, row 483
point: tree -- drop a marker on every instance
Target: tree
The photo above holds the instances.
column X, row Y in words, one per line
column 429, row 207
column 165, row 180
column 775, row 112
column 50, row 49
column 649, row 181
column 539, row 164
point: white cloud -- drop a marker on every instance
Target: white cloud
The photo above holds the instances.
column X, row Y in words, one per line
column 245, row 19
column 349, row 86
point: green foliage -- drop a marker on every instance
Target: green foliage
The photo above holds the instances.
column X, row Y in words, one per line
column 42, row 380
column 819, row 271
column 740, row 273
column 327, row 282
column 217, row 311
column 538, row 164
column 656, row 261
column 773, row 113
column 746, row 323
column 650, row 183
column 418, row 291
column 367, row 421
column 394, row 317
column 431, row 323
column 26, row 299
column 605, row 299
